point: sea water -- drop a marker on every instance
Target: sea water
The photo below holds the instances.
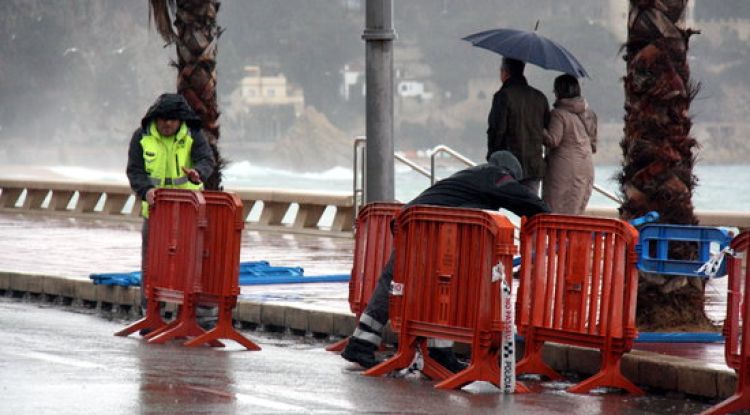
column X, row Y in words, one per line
column 720, row 187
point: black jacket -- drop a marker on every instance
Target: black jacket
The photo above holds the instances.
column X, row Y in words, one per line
column 171, row 106
column 516, row 123
column 483, row 187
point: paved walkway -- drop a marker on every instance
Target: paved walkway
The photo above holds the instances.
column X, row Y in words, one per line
column 56, row 362
column 75, row 248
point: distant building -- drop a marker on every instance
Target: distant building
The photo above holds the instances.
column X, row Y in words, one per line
column 353, row 83
column 412, row 89
column 262, row 107
column 715, row 18
column 721, row 10
column 352, row 5
column 412, row 75
column 269, row 91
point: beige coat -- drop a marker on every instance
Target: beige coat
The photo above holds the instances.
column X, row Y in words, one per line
column 570, row 141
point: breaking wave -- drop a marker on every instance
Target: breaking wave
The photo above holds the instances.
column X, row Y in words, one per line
column 720, row 187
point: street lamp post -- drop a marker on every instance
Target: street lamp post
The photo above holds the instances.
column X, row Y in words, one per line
column 379, row 36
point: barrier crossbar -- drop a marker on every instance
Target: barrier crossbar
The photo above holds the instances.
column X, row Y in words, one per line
column 219, row 283
column 578, row 286
column 443, row 275
column 372, row 247
column 736, row 333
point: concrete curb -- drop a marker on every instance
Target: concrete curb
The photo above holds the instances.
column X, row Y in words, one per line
column 667, row 373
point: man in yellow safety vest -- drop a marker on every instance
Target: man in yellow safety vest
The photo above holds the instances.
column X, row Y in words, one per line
column 167, row 151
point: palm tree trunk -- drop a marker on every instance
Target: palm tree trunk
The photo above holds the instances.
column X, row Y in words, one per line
column 195, row 37
column 659, row 153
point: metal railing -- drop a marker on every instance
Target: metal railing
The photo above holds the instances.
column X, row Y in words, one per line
column 445, row 149
column 360, row 178
column 609, row 195
column 359, row 189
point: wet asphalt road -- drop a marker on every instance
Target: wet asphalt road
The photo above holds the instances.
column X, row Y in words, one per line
column 75, row 248
column 65, row 360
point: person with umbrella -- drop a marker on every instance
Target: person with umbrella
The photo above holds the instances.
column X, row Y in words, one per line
column 517, row 120
column 519, row 112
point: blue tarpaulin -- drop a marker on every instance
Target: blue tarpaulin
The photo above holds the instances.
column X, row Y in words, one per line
column 251, row 273
column 124, row 279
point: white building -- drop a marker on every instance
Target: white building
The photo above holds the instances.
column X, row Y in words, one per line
column 412, row 89
column 269, row 91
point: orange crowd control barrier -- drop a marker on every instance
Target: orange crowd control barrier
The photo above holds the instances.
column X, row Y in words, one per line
column 443, row 289
column 578, row 286
column 736, row 332
column 175, row 246
column 372, row 247
column 193, row 258
column 221, row 266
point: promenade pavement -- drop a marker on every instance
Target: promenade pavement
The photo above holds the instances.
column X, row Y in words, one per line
column 61, row 249
column 60, row 362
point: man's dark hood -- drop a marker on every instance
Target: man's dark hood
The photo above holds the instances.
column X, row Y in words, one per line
column 506, row 160
column 171, row 106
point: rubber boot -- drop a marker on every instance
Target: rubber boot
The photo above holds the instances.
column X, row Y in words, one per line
column 447, row 358
column 360, row 352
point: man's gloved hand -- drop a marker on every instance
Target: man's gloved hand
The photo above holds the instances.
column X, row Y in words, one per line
column 192, row 175
column 150, row 195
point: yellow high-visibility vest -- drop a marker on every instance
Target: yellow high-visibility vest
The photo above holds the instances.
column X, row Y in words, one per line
column 164, row 158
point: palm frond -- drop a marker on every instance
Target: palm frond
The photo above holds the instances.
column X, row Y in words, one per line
column 161, row 12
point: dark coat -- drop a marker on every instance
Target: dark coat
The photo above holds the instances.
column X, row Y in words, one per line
column 516, row 123
column 171, row 106
column 485, row 186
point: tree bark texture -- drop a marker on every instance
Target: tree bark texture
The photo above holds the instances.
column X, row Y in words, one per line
column 659, row 153
column 195, row 34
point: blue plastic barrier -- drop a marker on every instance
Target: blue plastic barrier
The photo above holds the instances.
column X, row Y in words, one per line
column 264, row 269
column 120, row 279
column 682, row 337
column 649, row 217
column 654, row 248
column 251, row 273
column 688, row 337
column 288, row 279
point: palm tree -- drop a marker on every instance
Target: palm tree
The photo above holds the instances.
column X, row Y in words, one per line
column 659, row 153
column 195, row 34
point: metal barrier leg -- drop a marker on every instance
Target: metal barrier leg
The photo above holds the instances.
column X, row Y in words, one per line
column 735, row 403
column 483, row 366
column 609, row 376
column 169, row 326
column 338, row 346
column 532, row 360
column 402, row 359
column 183, row 326
column 152, row 321
column 432, row 369
column 223, row 330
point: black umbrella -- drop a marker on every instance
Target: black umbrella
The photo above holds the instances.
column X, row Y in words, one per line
column 529, row 47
